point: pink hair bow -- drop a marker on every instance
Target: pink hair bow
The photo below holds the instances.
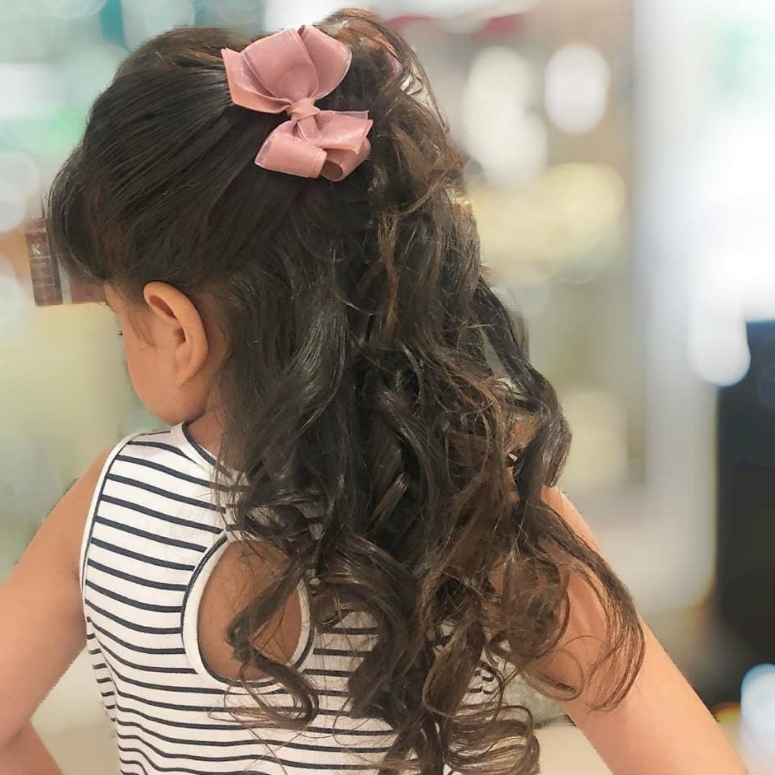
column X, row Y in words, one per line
column 289, row 71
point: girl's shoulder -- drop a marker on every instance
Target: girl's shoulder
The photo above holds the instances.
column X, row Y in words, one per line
column 64, row 527
column 40, row 603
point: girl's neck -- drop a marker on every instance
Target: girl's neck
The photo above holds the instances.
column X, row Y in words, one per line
column 207, row 431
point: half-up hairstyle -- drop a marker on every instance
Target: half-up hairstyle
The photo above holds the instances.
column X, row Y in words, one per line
column 372, row 379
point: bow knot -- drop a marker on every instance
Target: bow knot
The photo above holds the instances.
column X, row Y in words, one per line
column 303, row 108
column 289, row 71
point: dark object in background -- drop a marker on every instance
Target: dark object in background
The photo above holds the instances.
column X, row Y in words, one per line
column 745, row 589
column 51, row 284
column 44, row 268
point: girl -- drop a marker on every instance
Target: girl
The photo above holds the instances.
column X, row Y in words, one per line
column 349, row 543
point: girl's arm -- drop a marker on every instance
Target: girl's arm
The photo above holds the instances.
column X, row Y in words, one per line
column 42, row 626
column 26, row 755
column 661, row 726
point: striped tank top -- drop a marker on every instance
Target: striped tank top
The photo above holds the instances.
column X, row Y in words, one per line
column 152, row 539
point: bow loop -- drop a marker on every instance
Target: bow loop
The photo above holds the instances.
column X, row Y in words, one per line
column 290, row 71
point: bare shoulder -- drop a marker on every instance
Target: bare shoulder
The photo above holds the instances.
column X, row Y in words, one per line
column 65, row 524
column 660, row 725
column 40, row 603
column 562, row 506
column 556, row 500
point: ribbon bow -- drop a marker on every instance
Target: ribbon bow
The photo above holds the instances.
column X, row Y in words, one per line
column 289, row 71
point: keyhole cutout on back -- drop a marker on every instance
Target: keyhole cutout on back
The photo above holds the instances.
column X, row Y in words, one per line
column 235, row 580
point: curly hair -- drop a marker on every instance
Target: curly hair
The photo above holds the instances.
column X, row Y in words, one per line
column 372, row 376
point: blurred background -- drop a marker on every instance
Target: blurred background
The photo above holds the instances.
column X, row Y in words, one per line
column 621, row 170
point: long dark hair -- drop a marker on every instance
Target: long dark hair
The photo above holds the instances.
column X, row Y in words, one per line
column 372, row 377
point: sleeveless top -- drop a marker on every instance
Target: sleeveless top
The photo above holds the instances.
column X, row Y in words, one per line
column 152, row 539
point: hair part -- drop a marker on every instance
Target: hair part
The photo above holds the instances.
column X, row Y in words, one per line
column 372, row 377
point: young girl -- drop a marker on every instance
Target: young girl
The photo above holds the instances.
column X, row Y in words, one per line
column 349, row 543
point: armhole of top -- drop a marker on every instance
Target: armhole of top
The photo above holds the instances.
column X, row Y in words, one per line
column 88, row 527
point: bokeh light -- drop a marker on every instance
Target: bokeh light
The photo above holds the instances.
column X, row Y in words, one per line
column 758, row 713
column 88, row 71
column 718, row 349
column 447, row 8
column 527, row 299
column 28, row 89
column 599, row 454
column 52, row 135
column 733, row 287
column 64, row 9
column 19, row 187
column 567, row 224
column 22, row 37
column 578, row 80
column 501, row 129
column 20, row 171
column 13, row 206
column 143, row 19
column 243, row 13
column 279, row 14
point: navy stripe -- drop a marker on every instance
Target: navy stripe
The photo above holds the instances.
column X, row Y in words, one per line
column 163, row 516
column 253, row 740
column 132, row 763
column 157, row 445
column 135, row 648
column 92, row 513
column 198, row 447
column 332, row 692
column 132, row 625
column 327, row 652
column 252, row 758
column 157, row 767
column 142, row 557
column 176, row 706
column 321, row 692
column 326, row 672
column 145, row 701
column 160, row 491
column 160, row 585
column 481, row 690
column 163, row 609
column 208, row 485
column 344, row 732
column 148, row 668
column 181, row 724
column 135, row 531
column 167, row 688
column 236, row 725
column 177, row 740
column 344, row 630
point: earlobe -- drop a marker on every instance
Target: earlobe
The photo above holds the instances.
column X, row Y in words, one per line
column 179, row 329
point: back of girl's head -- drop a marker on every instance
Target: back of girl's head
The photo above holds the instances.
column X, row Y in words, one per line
column 371, row 376
column 163, row 186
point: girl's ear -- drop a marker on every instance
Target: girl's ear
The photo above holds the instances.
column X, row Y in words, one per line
column 178, row 330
